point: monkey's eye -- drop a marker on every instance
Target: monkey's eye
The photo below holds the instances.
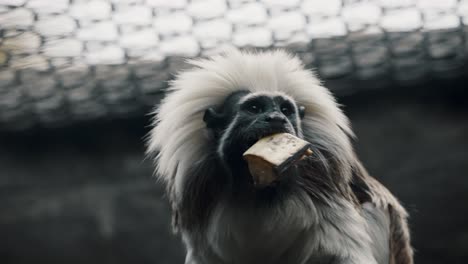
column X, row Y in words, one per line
column 253, row 108
column 287, row 109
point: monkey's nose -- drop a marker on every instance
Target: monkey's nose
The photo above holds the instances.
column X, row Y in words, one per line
column 276, row 119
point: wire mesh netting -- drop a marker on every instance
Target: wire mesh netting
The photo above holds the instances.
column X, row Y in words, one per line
column 63, row 61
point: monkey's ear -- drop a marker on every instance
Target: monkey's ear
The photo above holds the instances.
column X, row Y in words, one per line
column 301, row 111
column 212, row 118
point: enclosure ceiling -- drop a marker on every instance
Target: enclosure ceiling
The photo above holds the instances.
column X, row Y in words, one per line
column 64, row 61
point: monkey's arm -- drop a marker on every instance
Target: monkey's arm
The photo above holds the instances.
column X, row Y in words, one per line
column 377, row 200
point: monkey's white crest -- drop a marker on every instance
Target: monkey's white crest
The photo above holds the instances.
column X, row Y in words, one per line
column 179, row 137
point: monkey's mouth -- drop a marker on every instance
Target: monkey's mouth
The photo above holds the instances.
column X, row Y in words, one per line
column 261, row 133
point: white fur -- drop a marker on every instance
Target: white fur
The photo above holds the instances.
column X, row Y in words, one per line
column 296, row 232
column 179, row 128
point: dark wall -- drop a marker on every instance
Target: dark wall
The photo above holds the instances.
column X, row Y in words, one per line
column 84, row 194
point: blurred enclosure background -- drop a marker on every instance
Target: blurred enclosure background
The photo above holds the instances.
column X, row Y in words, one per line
column 78, row 77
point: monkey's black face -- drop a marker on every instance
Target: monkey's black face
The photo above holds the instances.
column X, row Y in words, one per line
column 246, row 117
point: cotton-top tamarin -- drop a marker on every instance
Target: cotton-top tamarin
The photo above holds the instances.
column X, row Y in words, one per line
column 326, row 210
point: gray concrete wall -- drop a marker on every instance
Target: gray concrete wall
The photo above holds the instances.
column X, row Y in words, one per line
column 84, row 194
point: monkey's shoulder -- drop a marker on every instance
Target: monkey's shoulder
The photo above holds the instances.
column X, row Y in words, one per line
column 385, row 216
column 368, row 189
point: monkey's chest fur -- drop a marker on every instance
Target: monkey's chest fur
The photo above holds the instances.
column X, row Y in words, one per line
column 294, row 230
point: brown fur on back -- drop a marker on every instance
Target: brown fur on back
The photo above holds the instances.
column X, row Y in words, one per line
column 400, row 247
